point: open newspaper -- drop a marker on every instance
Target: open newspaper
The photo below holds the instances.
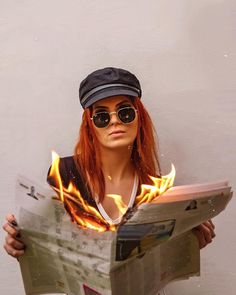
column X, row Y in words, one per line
column 153, row 245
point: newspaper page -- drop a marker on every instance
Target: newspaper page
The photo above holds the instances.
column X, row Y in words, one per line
column 152, row 247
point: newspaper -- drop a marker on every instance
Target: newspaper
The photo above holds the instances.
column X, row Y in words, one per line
column 153, row 245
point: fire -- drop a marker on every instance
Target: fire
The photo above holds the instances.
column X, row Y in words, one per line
column 56, row 174
column 89, row 217
column 79, row 210
column 160, row 185
column 122, row 207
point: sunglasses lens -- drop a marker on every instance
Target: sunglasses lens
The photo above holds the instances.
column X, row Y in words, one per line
column 126, row 115
column 101, row 120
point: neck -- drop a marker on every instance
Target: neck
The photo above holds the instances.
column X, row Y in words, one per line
column 116, row 163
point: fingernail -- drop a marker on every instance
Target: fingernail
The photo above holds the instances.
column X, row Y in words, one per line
column 18, row 235
column 14, row 223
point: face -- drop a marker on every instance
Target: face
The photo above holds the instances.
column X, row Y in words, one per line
column 116, row 134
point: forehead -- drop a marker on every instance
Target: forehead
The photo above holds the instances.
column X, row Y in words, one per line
column 112, row 101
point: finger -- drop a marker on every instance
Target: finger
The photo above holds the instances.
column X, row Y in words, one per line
column 201, row 239
column 14, row 243
column 212, row 224
column 208, row 224
column 11, row 230
column 10, row 218
column 13, row 252
column 206, row 227
column 206, row 232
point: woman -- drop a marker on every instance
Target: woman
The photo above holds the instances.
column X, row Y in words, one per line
column 115, row 153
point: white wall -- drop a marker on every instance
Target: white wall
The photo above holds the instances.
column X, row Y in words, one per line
column 184, row 54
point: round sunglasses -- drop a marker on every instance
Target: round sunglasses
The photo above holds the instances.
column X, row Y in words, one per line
column 102, row 119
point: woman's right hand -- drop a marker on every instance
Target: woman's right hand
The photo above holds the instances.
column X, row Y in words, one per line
column 13, row 245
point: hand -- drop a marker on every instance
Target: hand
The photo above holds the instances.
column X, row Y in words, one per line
column 204, row 233
column 13, row 245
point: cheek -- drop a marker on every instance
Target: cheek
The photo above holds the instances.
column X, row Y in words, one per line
column 99, row 133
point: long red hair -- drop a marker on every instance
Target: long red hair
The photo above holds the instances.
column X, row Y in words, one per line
column 144, row 154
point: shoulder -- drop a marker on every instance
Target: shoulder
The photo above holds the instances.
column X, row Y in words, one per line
column 67, row 163
column 71, row 173
column 67, row 169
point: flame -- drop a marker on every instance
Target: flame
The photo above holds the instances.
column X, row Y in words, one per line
column 122, row 207
column 80, row 211
column 89, row 217
column 55, row 171
column 160, row 185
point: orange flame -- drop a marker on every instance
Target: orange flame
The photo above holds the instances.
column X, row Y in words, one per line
column 160, row 185
column 79, row 210
column 89, row 217
column 55, row 172
column 122, row 207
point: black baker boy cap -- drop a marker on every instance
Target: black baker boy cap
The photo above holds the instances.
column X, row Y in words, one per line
column 108, row 82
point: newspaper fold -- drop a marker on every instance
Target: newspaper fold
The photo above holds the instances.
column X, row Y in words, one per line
column 153, row 246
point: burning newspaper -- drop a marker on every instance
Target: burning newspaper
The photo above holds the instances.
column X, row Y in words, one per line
column 153, row 245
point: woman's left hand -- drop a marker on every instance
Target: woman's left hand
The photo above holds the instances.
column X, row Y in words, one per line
column 204, row 233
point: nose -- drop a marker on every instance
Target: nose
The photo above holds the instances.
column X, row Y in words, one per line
column 114, row 119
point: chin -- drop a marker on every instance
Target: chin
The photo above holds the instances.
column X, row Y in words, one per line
column 119, row 144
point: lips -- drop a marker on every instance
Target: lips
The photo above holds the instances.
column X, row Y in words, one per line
column 117, row 132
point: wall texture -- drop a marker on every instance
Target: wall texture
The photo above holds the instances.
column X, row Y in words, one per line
column 184, row 53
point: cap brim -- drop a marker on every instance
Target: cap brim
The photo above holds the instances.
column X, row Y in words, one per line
column 105, row 93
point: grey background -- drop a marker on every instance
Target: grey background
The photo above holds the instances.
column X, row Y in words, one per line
column 184, row 55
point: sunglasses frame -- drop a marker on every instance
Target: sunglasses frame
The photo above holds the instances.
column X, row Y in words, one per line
column 117, row 116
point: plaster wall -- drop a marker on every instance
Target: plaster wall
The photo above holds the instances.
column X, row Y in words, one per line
column 184, row 53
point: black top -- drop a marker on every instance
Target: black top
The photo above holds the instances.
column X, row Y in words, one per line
column 70, row 173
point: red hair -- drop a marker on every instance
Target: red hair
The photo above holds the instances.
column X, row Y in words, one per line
column 144, row 154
